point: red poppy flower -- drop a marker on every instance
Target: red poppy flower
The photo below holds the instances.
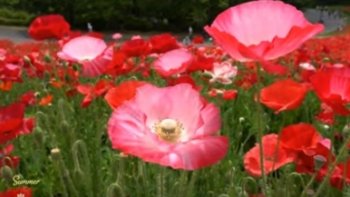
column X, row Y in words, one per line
column 17, row 192
column 232, row 30
column 197, row 39
column 340, row 176
column 332, row 86
column 7, row 159
column 46, row 100
column 162, row 43
column 6, row 86
column 11, row 121
column 326, row 115
column 91, row 92
column 274, row 156
column 300, row 137
column 123, row 92
column 48, row 26
column 283, row 95
column 28, row 98
column 229, row 94
column 10, row 72
column 135, row 47
column 118, row 65
column 200, row 62
column 316, row 158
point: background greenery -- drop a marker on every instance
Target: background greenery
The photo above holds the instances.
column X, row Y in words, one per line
column 173, row 15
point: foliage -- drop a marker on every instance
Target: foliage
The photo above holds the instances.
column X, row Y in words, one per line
column 133, row 14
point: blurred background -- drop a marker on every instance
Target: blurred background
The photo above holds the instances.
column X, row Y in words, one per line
column 149, row 15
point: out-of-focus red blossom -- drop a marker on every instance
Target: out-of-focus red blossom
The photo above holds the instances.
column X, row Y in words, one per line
column 283, row 95
column 122, row 92
column 92, row 91
column 46, row 100
column 162, row 43
column 317, row 158
column 340, row 176
column 7, row 159
column 10, row 72
column 247, row 79
column 6, row 86
column 56, row 83
column 332, row 86
column 28, row 98
column 333, row 49
column 213, row 92
column 48, row 26
column 326, row 115
column 200, row 62
column 13, row 123
column 6, row 44
column 17, row 192
column 300, row 137
column 136, row 47
column 229, row 94
column 197, row 39
column 274, row 156
column 183, row 79
column 119, row 64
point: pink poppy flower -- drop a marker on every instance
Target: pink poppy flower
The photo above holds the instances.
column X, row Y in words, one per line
column 117, row 36
column 92, row 53
column 173, row 62
column 283, row 95
column 261, row 30
column 170, row 126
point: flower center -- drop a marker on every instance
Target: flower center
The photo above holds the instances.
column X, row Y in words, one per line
column 168, row 129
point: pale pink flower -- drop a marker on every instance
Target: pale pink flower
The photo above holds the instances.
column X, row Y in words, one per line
column 117, row 36
column 170, row 126
column 307, row 66
column 222, row 72
column 136, row 37
column 91, row 52
column 173, row 62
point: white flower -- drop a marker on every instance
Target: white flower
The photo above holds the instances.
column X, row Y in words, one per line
column 223, row 72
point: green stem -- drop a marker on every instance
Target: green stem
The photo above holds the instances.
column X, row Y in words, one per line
column 342, row 151
column 260, row 130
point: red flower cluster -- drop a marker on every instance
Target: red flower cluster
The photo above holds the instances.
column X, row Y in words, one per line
column 49, row 26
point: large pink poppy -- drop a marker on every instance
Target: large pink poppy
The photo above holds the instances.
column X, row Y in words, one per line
column 93, row 53
column 261, row 30
column 170, row 126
